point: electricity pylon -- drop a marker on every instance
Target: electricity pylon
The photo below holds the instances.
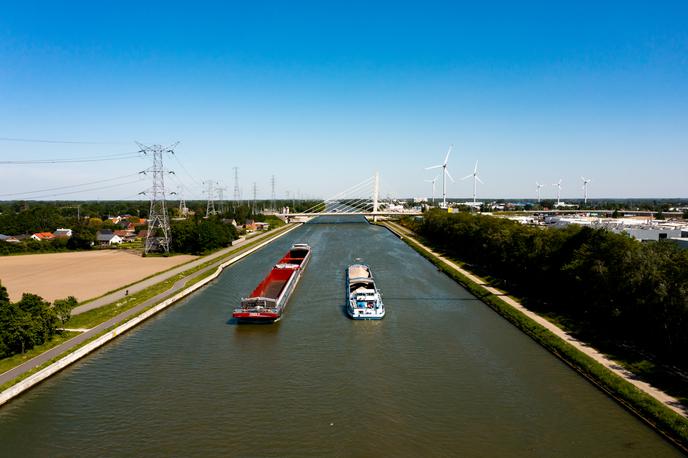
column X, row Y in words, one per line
column 159, row 234
column 237, row 193
column 210, row 208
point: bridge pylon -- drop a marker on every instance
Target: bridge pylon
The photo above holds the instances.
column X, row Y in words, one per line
column 376, row 195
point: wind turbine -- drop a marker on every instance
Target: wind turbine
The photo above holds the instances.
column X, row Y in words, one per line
column 585, row 189
column 476, row 178
column 538, row 186
column 558, row 185
column 433, row 181
column 445, row 173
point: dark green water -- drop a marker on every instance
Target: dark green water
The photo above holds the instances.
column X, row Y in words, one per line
column 441, row 375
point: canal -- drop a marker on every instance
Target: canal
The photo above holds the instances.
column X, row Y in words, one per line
column 441, row 375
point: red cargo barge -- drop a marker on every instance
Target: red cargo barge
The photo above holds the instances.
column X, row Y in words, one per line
column 268, row 301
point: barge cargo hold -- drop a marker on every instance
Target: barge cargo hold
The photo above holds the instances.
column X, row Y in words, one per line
column 268, row 301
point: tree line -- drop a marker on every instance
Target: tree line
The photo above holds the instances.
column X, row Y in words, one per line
column 210, row 233
column 613, row 286
column 200, row 235
column 31, row 321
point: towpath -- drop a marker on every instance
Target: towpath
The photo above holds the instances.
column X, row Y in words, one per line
column 670, row 401
column 132, row 312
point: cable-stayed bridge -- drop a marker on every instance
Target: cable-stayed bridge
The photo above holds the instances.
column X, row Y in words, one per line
column 359, row 199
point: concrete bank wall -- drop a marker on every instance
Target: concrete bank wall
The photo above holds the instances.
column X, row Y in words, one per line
column 65, row 361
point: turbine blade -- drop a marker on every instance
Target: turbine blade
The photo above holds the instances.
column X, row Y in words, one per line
column 478, row 178
column 475, row 170
column 467, row 176
column 449, row 174
column 448, row 151
column 434, row 167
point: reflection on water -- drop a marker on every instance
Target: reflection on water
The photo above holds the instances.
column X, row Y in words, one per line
column 441, row 375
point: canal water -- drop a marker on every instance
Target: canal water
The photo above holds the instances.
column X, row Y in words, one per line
column 441, row 375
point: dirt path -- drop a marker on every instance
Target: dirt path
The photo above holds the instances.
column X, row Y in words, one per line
column 613, row 366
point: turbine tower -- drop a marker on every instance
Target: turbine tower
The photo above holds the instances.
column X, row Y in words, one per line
column 445, row 173
column 159, row 233
column 433, row 181
column 558, row 186
column 476, row 178
column 585, row 189
column 537, row 188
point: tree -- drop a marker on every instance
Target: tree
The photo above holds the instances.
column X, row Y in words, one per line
column 4, row 297
column 82, row 238
column 63, row 308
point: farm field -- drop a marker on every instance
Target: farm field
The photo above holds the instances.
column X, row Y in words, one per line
column 84, row 274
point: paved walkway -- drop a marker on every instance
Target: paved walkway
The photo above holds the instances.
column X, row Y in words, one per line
column 613, row 366
column 95, row 331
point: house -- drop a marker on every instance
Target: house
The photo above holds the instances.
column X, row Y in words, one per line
column 8, row 238
column 125, row 235
column 261, row 226
column 107, row 238
column 142, row 234
column 250, row 225
column 41, row 236
column 62, row 232
column 230, row 221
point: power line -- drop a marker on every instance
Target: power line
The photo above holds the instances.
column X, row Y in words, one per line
column 187, row 171
column 67, row 187
column 85, row 190
column 69, row 142
column 111, row 157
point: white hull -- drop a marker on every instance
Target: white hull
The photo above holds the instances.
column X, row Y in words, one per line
column 364, row 300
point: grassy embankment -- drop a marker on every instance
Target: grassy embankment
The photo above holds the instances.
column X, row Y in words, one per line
column 665, row 420
column 97, row 316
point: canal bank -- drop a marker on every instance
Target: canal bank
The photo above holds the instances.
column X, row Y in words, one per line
column 663, row 412
column 49, row 363
column 441, row 375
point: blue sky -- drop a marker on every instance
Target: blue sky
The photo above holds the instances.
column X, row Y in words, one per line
column 323, row 95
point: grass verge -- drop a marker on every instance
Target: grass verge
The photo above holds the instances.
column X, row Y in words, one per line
column 13, row 361
column 666, row 421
